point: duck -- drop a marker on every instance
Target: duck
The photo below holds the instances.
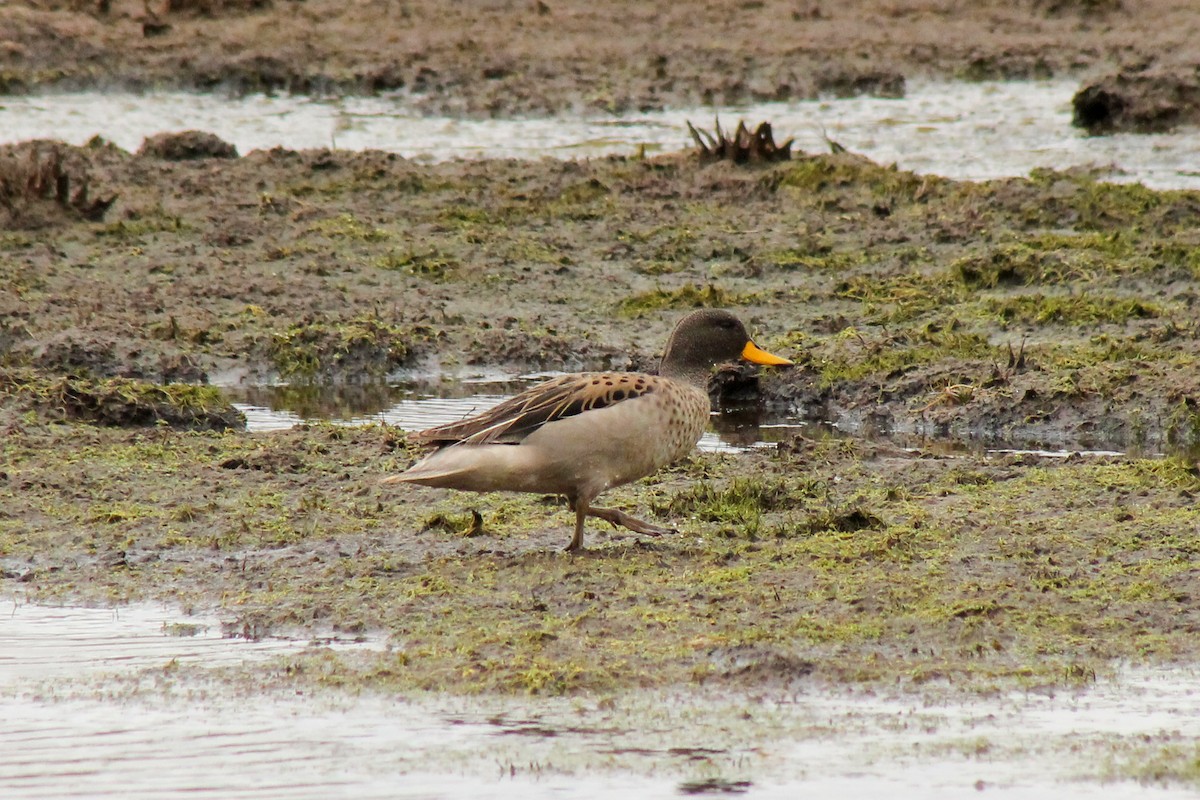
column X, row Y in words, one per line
column 579, row 435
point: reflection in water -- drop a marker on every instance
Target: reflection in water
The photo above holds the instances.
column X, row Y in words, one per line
column 367, row 401
column 311, row 401
column 746, row 426
column 739, row 426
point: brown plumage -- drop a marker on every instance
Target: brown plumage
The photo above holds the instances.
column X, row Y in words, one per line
column 579, row 435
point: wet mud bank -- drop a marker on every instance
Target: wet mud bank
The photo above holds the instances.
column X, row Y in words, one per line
column 1140, row 100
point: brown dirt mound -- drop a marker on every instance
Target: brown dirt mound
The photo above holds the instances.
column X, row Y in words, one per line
column 187, row 146
column 1149, row 102
column 43, row 182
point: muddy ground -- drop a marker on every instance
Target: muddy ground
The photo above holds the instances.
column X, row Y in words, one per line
column 1054, row 310
column 532, row 57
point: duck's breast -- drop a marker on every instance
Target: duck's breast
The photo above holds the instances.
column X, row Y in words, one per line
column 623, row 442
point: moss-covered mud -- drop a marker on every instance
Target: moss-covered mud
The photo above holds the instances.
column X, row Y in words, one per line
column 1054, row 309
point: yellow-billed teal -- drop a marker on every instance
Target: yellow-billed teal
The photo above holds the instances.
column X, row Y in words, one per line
column 579, row 435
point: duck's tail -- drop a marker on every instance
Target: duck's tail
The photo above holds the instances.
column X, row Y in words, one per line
column 475, row 468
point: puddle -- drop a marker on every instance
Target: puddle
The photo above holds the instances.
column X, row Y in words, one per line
column 969, row 131
column 68, row 734
column 414, row 406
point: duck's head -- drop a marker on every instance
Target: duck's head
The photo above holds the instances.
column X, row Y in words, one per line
column 708, row 337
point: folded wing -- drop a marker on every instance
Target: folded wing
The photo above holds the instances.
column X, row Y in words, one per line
column 514, row 419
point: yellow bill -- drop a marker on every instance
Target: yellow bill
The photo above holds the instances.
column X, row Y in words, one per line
column 752, row 352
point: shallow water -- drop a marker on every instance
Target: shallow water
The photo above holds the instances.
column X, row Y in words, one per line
column 414, row 406
column 46, row 642
column 969, row 131
column 69, row 731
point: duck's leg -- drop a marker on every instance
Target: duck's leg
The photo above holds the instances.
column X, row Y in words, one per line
column 580, row 507
column 615, row 517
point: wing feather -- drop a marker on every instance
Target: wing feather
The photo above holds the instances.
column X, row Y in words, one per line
column 517, row 417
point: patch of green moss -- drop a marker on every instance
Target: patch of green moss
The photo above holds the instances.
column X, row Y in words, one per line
column 1044, row 309
column 433, row 265
column 850, row 356
column 584, row 193
column 331, row 185
column 738, row 507
column 1178, row 253
column 1183, row 426
column 817, row 174
column 707, row 296
column 19, row 279
column 142, row 223
column 531, row 250
column 1117, row 244
column 677, row 247
column 1103, row 349
column 119, row 513
column 462, row 215
column 1052, row 259
column 347, row 226
column 659, row 267
column 362, row 344
column 1102, row 205
column 15, row 240
column 1017, row 265
column 797, row 259
column 1087, row 203
column 899, row 298
column 1157, row 761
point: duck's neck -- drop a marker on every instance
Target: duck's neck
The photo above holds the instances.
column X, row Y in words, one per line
column 691, row 374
